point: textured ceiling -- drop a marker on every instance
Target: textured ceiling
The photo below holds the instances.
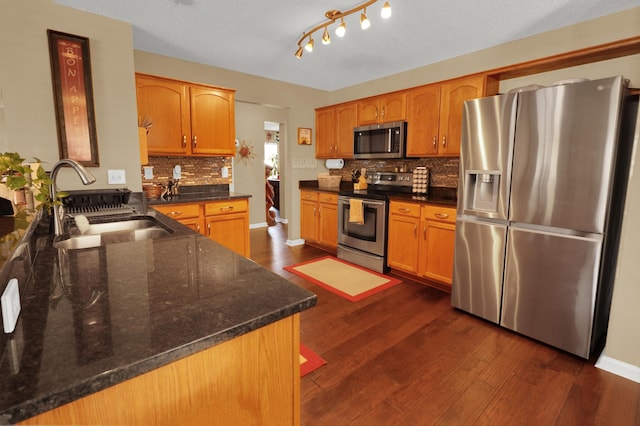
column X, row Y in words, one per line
column 259, row 36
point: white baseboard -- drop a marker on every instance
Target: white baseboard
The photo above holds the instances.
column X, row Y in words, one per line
column 258, row 225
column 297, row 242
column 619, row 368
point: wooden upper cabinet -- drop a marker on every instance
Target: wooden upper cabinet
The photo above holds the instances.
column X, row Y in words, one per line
column 165, row 104
column 382, row 109
column 346, row 118
column 423, row 117
column 187, row 119
column 212, row 121
column 434, row 114
column 334, row 130
column 325, row 132
column 453, row 95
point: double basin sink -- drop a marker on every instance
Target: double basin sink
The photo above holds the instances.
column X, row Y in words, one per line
column 83, row 235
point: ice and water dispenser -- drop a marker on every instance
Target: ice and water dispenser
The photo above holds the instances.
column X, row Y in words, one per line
column 481, row 191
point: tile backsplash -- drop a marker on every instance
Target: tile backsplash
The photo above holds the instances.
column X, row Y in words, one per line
column 444, row 170
column 194, row 170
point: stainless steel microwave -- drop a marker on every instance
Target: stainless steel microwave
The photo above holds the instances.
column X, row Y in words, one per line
column 384, row 140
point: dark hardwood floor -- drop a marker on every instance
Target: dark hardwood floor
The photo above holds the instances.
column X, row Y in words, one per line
column 406, row 357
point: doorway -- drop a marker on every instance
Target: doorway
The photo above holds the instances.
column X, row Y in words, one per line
column 272, row 169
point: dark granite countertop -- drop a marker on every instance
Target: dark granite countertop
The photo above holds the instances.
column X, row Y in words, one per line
column 199, row 193
column 441, row 196
column 93, row 318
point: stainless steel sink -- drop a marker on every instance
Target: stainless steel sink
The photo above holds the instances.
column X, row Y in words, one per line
column 135, row 228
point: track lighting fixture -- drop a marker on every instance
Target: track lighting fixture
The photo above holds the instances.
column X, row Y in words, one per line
column 342, row 29
column 332, row 16
column 325, row 37
column 364, row 21
column 309, row 46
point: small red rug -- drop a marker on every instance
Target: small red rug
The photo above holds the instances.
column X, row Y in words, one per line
column 309, row 360
column 345, row 279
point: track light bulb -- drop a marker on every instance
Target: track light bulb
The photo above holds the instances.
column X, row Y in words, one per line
column 341, row 29
column 364, row 21
column 325, row 37
column 309, row 46
column 299, row 52
column 386, row 10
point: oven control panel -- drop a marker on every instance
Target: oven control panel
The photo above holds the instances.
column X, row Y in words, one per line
column 390, row 178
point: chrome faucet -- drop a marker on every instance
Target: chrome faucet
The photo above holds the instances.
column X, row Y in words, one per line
column 86, row 177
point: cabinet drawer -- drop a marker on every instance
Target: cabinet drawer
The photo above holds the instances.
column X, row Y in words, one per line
column 443, row 214
column 407, row 209
column 325, row 197
column 225, row 207
column 179, row 211
column 309, row 195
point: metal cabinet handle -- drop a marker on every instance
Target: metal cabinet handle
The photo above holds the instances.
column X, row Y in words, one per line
column 404, row 210
column 208, row 229
column 198, row 227
column 314, row 211
column 424, row 233
column 415, row 231
column 195, row 141
column 226, row 209
column 435, row 141
column 444, row 141
column 184, row 141
column 442, row 215
column 383, row 112
column 174, row 213
column 376, row 112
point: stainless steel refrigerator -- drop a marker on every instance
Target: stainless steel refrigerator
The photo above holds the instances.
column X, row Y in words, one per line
column 543, row 174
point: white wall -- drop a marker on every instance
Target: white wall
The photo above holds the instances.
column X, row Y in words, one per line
column 27, row 93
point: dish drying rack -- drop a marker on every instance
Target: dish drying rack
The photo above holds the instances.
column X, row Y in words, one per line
column 99, row 202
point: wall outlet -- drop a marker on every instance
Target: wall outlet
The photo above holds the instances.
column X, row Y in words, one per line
column 10, row 302
column 116, row 177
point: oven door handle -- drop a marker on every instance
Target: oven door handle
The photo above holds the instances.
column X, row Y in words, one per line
column 373, row 203
column 389, row 138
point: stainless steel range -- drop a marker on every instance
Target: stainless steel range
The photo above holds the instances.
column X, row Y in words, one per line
column 362, row 238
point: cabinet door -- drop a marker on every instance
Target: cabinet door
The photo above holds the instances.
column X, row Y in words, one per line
column 440, row 238
column 230, row 230
column 453, row 95
column 309, row 220
column 393, row 107
column 165, row 104
column 328, row 219
column 423, row 117
column 212, row 121
column 402, row 244
column 368, row 111
column 346, row 116
column 325, row 132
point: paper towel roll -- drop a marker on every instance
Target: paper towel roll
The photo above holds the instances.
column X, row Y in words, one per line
column 334, row 163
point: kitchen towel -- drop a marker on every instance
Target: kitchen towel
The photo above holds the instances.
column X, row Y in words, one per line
column 356, row 213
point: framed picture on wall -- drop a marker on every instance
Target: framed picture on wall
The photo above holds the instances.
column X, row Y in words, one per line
column 304, row 136
column 73, row 97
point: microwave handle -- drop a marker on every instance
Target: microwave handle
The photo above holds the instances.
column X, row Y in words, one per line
column 389, row 139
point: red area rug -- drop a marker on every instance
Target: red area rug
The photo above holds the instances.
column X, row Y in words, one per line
column 350, row 281
column 309, row 360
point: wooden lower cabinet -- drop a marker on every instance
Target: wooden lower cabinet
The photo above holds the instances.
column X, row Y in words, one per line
column 227, row 222
column 253, row 379
column 421, row 240
column 187, row 214
column 319, row 217
column 224, row 221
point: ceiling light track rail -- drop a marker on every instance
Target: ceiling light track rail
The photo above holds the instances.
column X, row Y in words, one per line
column 333, row 16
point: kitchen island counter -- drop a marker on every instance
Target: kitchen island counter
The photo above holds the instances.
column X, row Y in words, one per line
column 94, row 318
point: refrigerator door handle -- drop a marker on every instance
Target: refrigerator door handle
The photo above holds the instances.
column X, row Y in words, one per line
column 569, row 233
